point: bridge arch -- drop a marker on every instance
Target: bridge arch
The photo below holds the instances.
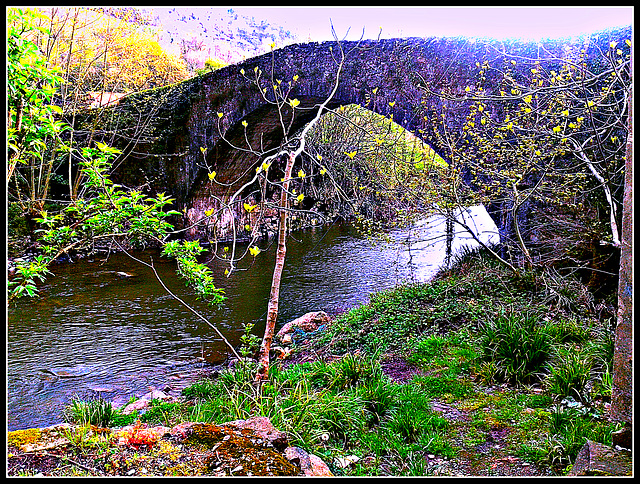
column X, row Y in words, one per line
column 385, row 76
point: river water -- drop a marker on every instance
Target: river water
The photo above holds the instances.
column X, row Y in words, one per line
column 118, row 336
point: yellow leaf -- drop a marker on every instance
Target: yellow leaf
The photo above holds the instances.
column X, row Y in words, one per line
column 265, row 166
column 528, row 98
column 300, row 197
column 323, row 170
column 565, row 112
column 242, row 71
column 302, row 174
column 393, row 103
column 319, row 157
column 254, row 251
column 351, row 154
column 249, row 208
column 295, row 78
column 212, row 175
column 245, row 124
column 247, row 228
column 204, row 150
column 557, row 129
column 220, row 115
column 209, row 212
column 374, row 90
column 294, row 103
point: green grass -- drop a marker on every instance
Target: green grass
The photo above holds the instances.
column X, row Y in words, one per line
column 492, row 345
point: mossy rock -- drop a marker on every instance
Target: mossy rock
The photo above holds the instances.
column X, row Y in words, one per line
column 235, row 453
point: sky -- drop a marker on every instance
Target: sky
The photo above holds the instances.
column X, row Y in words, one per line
column 351, row 23
column 314, row 23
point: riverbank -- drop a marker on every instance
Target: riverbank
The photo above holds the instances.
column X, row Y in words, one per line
column 416, row 382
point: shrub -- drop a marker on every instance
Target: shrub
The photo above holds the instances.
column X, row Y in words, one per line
column 98, row 412
column 353, row 369
column 379, row 398
column 518, row 346
column 570, row 373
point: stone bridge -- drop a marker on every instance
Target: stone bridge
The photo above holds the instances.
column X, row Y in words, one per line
column 171, row 125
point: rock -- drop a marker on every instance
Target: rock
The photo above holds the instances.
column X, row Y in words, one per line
column 252, row 447
column 310, row 464
column 156, row 395
column 140, row 404
column 596, row 459
column 623, row 437
column 309, row 322
column 242, row 447
column 33, row 440
column 318, row 467
column 263, row 427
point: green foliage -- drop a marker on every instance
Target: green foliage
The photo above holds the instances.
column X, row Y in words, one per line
column 98, row 412
column 210, row 65
column 571, row 372
column 24, row 282
column 518, row 345
column 374, row 163
column 33, row 126
column 570, row 429
column 197, row 275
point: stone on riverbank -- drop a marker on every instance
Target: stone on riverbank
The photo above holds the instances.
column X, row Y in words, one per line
column 252, row 447
column 596, row 459
column 307, row 323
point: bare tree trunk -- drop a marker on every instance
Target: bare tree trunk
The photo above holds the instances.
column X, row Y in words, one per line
column 622, row 391
column 274, row 296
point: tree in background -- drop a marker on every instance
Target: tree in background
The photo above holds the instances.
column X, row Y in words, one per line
column 34, row 128
column 60, row 61
column 546, row 138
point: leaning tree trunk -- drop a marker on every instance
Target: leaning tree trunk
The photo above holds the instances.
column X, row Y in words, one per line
column 274, row 296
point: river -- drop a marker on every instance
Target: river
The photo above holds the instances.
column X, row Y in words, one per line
column 117, row 336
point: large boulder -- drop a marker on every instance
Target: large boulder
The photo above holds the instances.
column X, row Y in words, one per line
column 308, row 323
column 596, row 459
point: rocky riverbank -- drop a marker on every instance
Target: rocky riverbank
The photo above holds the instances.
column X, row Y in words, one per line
column 252, row 447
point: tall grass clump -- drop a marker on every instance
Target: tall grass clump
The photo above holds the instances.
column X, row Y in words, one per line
column 571, row 372
column 98, row 412
column 516, row 347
